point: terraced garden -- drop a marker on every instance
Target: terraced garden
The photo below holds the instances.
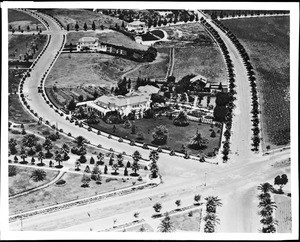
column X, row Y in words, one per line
column 267, row 42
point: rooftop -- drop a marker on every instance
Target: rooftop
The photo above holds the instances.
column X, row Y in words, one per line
column 88, row 40
column 198, row 77
column 123, row 100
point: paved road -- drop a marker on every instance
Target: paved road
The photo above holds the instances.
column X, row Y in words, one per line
column 233, row 182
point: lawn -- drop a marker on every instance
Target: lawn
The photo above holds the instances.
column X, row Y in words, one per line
column 16, row 112
column 84, row 69
column 71, row 191
column 137, row 228
column 71, row 16
column 267, row 43
column 184, row 222
column 177, row 136
column 22, row 181
column 106, row 36
column 19, row 45
column 17, row 18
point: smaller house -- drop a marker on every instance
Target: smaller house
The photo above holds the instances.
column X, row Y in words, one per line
column 199, row 78
column 137, row 26
column 90, row 43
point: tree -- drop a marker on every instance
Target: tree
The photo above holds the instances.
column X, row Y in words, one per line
column 135, row 167
column 153, row 155
column 85, row 180
column 160, row 135
column 76, row 26
column 87, row 169
column 153, row 169
column 281, row 181
column 181, row 119
column 92, row 160
column 32, row 161
column 65, row 150
column 72, row 105
column 100, row 158
column 198, row 142
column 136, row 156
column 29, row 140
column 82, row 159
column 23, row 155
column 178, row 203
column 211, row 220
column 157, row 207
column 12, row 146
column 197, row 198
column 125, row 172
column 48, row 146
column 120, row 159
column 68, row 27
column 166, row 226
column 41, row 156
column 79, row 141
column 58, row 158
column 93, row 26
column 38, row 175
column 212, row 202
column 105, row 169
column 265, row 187
column 115, row 167
column 220, row 113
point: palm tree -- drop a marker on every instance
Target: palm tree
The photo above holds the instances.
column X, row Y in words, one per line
column 136, row 156
column 211, row 220
column 79, row 141
column 166, row 226
column 41, row 156
column 38, row 175
column 197, row 142
column 181, row 119
column 48, row 146
column 265, row 187
column 212, row 203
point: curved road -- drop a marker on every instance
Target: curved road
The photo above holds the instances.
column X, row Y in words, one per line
column 235, row 182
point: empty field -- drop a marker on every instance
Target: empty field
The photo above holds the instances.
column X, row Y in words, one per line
column 83, row 69
column 71, row 16
column 19, row 20
column 184, row 222
column 17, row 113
column 267, row 43
column 283, row 214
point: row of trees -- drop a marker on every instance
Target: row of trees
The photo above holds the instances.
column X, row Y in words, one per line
column 252, row 79
column 267, row 207
column 211, row 219
column 230, row 103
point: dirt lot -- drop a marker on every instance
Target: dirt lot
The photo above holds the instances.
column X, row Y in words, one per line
column 16, row 19
column 77, row 69
column 267, row 43
column 22, row 182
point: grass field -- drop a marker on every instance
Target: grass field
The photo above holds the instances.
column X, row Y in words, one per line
column 82, row 69
column 22, row 181
column 22, row 44
column 16, row 112
column 156, row 70
column 72, row 190
column 183, row 222
column 17, row 18
column 177, row 136
column 283, row 214
column 106, row 36
column 267, row 43
column 71, row 16
column 206, row 61
column 137, row 228
column 14, row 77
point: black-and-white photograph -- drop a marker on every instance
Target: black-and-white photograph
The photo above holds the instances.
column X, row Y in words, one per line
column 161, row 120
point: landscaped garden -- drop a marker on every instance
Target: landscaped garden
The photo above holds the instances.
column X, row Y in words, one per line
column 22, row 179
column 270, row 58
column 18, row 21
column 71, row 190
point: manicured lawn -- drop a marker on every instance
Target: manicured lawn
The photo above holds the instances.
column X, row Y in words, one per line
column 20, row 44
column 267, row 43
column 71, row 16
column 107, row 36
column 22, row 181
column 283, row 213
column 84, row 69
column 72, row 190
column 17, row 113
column 17, row 18
column 177, row 136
